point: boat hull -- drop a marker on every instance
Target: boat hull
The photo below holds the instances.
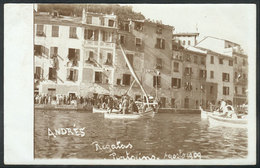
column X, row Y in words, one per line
column 96, row 110
column 147, row 114
column 121, row 116
column 228, row 122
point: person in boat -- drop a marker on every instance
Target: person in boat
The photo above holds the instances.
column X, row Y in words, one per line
column 222, row 105
column 125, row 105
column 110, row 104
column 131, row 106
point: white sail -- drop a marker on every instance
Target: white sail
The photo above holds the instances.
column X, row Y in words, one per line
column 134, row 75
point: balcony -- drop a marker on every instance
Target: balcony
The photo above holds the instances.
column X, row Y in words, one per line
column 92, row 43
column 240, row 81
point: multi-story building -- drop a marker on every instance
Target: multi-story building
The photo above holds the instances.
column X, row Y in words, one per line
column 74, row 55
column 227, row 66
column 194, row 78
column 154, row 40
column 185, row 39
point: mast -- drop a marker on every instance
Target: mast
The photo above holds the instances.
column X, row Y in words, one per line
column 134, row 75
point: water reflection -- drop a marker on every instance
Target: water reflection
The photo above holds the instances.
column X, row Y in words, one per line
column 164, row 133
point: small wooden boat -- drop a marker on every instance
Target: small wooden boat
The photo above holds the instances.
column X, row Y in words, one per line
column 149, row 113
column 204, row 114
column 216, row 120
column 97, row 110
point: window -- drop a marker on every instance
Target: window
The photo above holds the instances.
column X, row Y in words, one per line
column 203, row 74
column 118, row 81
column 230, row 62
column 91, row 34
column 55, row 31
column 235, row 60
column 195, row 59
column 220, row 60
column 159, row 29
column 72, row 74
column 109, row 60
column 183, row 42
column 40, row 50
column 37, row 50
column 188, row 86
column 212, row 74
column 98, row 77
column 202, row 61
column 124, row 26
column 106, row 36
column 39, row 31
column 160, row 43
column 211, row 89
column 130, row 58
column 138, row 26
column 225, row 77
column 172, row 102
column 111, row 23
column 212, row 59
column 188, row 71
column 89, row 19
column 126, row 79
column 73, row 32
column 235, row 77
column 176, row 67
column 244, row 62
column 243, row 90
column 138, row 42
column 74, row 55
column 38, row 73
column 244, row 76
column 158, row 63
column 122, row 39
column 54, row 52
column 52, row 73
column 189, row 42
column 156, row 81
column 188, row 58
column 225, row 90
column 176, row 83
column 235, row 90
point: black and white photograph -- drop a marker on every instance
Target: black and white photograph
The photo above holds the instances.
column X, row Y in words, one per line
column 143, row 83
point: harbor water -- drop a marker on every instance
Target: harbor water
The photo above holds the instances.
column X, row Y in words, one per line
column 84, row 135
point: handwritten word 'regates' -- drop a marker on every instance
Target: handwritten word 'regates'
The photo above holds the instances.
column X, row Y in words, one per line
column 67, row 131
column 112, row 149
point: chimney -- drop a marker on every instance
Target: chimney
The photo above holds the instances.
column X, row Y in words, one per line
column 83, row 16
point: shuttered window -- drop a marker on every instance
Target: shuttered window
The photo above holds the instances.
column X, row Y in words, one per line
column 73, row 32
column 55, row 31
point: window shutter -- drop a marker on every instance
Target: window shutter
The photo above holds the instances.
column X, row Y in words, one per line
column 163, row 44
column 96, row 35
column 75, row 31
column 42, row 73
column 52, row 52
column 68, row 74
column 71, row 32
column 154, row 81
column 75, row 76
column 78, row 54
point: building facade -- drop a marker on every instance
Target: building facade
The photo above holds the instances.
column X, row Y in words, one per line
column 82, row 56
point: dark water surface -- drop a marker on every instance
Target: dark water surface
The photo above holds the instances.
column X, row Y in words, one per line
column 159, row 136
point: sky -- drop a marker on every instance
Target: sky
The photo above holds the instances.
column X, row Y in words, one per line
column 234, row 22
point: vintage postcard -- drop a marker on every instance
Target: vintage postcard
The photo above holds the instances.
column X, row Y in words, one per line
column 130, row 84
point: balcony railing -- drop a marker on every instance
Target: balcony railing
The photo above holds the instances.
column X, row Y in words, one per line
column 95, row 43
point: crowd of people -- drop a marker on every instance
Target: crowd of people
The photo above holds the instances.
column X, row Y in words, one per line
column 125, row 104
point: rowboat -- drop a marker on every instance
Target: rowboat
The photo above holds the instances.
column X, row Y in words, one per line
column 97, row 110
column 216, row 120
column 204, row 114
column 148, row 114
